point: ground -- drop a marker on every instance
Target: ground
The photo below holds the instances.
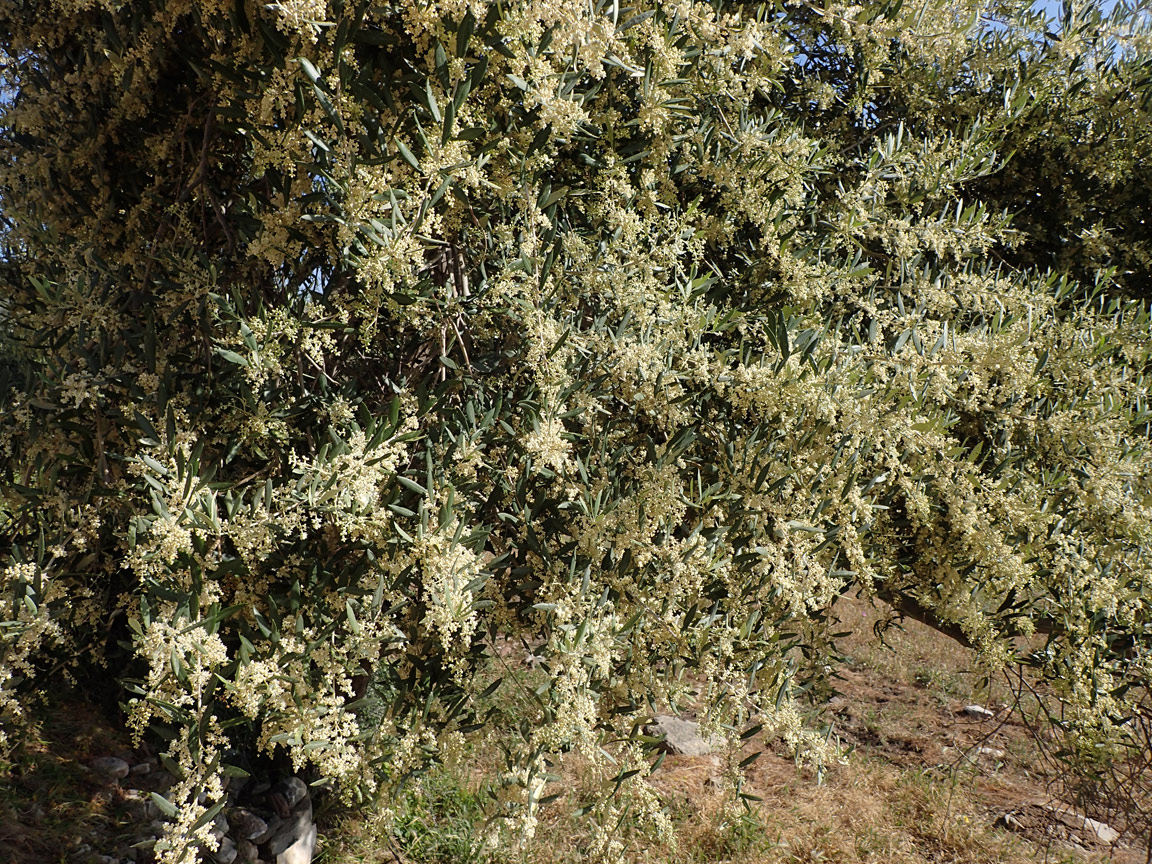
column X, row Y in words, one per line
column 924, row 781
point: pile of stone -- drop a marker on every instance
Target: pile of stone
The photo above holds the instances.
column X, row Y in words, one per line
column 1059, row 821
column 262, row 822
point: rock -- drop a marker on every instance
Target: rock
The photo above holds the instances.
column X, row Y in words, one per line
column 227, row 852
column 247, row 851
column 1105, row 833
column 301, row 851
column 1009, row 821
column 297, row 825
column 139, row 806
column 979, row 712
column 681, row 736
column 1088, row 829
column 992, row 752
column 112, row 767
column 162, row 781
column 143, row 767
column 293, row 790
column 246, row 825
column 272, row 824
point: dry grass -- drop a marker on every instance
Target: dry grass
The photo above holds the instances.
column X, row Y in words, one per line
column 867, row 812
column 916, row 788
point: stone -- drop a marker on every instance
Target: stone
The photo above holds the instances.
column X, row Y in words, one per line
column 296, row 826
column 272, row 826
column 1087, row 828
column 979, row 712
column 247, row 851
column 227, row 852
column 294, row 790
column 681, row 736
column 246, row 825
column 112, row 767
column 301, row 851
column 1105, row 833
column 1009, row 821
column 162, row 781
column 992, row 752
column 143, row 767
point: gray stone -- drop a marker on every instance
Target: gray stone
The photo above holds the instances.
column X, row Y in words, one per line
column 227, row 852
column 1104, row 833
column 979, row 712
column 247, row 851
column 294, row 790
column 162, row 781
column 301, row 851
column 144, row 767
column 272, row 826
column 1087, row 828
column 112, row 767
column 246, row 825
column 296, row 826
column 681, row 736
column 1009, row 821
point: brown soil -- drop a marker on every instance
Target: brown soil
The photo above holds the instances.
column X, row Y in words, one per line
column 900, row 714
column 924, row 780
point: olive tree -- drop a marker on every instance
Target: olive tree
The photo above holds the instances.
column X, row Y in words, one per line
column 348, row 343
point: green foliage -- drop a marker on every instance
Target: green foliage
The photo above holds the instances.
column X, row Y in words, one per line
column 350, row 343
column 436, row 823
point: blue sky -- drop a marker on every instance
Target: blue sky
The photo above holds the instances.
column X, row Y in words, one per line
column 1054, row 7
